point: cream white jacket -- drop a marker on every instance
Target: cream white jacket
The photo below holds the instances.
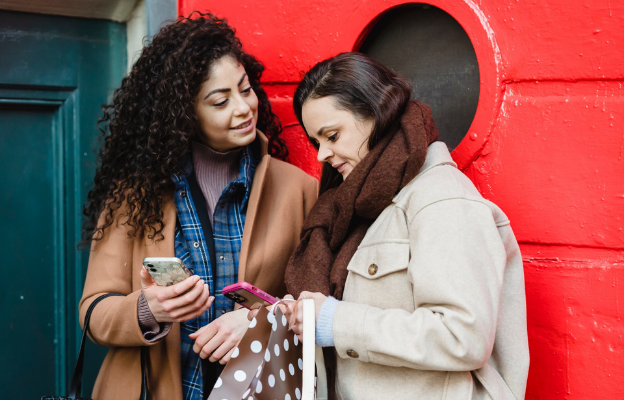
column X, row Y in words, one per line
column 434, row 303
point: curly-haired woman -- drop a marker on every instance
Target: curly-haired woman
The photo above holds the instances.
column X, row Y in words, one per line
column 184, row 172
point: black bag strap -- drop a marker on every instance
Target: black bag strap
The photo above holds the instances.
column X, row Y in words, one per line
column 76, row 383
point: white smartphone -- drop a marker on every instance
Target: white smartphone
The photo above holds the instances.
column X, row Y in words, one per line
column 166, row 271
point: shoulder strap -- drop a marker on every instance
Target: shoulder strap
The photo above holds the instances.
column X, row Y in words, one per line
column 75, row 387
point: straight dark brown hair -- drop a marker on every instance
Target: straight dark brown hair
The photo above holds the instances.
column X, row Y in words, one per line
column 360, row 85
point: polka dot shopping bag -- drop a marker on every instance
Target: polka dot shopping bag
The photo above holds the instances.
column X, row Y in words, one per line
column 270, row 363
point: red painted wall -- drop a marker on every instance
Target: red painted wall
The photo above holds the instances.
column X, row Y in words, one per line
column 546, row 144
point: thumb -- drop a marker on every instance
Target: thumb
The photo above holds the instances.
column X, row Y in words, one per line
column 146, row 279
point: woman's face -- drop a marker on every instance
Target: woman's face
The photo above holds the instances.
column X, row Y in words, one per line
column 341, row 136
column 227, row 107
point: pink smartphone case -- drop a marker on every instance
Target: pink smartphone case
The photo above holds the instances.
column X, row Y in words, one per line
column 248, row 287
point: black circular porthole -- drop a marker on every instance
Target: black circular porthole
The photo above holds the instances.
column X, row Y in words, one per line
column 431, row 49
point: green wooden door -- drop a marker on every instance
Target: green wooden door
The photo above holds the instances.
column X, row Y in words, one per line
column 55, row 73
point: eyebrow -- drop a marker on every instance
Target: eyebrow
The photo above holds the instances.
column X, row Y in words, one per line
column 225, row 90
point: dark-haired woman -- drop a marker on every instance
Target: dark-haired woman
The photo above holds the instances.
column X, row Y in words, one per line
column 186, row 172
column 417, row 279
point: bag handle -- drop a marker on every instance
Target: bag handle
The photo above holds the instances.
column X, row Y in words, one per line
column 312, row 354
column 75, row 387
column 309, row 345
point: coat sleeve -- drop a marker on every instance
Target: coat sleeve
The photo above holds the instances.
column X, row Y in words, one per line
column 114, row 321
column 456, row 266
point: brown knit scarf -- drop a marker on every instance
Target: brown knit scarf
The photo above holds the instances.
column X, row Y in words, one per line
column 341, row 216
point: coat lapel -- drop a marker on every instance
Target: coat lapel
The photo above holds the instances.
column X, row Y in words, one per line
column 252, row 206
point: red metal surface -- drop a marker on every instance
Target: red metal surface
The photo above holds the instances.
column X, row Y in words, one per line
column 548, row 148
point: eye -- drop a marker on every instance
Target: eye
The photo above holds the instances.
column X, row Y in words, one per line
column 221, row 104
column 246, row 91
column 333, row 137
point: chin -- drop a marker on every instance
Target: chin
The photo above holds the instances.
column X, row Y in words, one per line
column 248, row 138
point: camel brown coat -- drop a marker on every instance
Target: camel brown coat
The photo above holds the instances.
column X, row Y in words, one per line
column 280, row 199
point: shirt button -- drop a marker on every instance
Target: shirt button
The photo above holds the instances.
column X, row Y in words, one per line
column 183, row 194
column 372, row 269
column 222, row 257
column 196, row 245
column 352, row 353
column 222, row 312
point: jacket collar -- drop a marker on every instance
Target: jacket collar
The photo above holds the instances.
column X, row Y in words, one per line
column 437, row 154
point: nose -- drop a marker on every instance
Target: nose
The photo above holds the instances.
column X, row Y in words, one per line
column 242, row 108
column 324, row 153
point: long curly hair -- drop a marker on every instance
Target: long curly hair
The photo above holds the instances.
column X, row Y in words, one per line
column 151, row 123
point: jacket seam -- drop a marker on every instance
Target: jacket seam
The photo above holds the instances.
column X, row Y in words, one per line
column 482, row 202
column 446, row 385
column 384, row 241
column 487, row 387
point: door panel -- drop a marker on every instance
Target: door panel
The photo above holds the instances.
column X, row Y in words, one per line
column 55, row 73
column 28, row 200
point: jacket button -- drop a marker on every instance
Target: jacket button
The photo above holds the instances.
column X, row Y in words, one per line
column 183, row 194
column 372, row 269
column 352, row 353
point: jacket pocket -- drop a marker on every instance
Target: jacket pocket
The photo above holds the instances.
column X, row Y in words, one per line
column 378, row 276
column 376, row 260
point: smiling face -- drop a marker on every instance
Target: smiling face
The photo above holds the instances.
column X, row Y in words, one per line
column 227, row 107
column 342, row 138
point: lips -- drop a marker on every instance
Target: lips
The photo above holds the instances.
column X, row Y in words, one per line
column 244, row 124
column 340, row 167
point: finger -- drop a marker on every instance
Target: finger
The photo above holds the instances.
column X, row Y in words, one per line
column 221, row 351
column 194, row 304
column 292, row 317
column 198, row 332
column 196, row 313
column 289, row 296
column 225, row 359
column 184, row 286
column 216, row 341
column 146, row 279
column 297, row 318
column 305, row 295
column 176, row 302
column 252, row 314
column 205, row 337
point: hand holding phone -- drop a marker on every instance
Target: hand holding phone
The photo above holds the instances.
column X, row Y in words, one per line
column 248, row 295
column 178, row 302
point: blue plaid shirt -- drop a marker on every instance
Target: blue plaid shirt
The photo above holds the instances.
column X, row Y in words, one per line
column 190, row 246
